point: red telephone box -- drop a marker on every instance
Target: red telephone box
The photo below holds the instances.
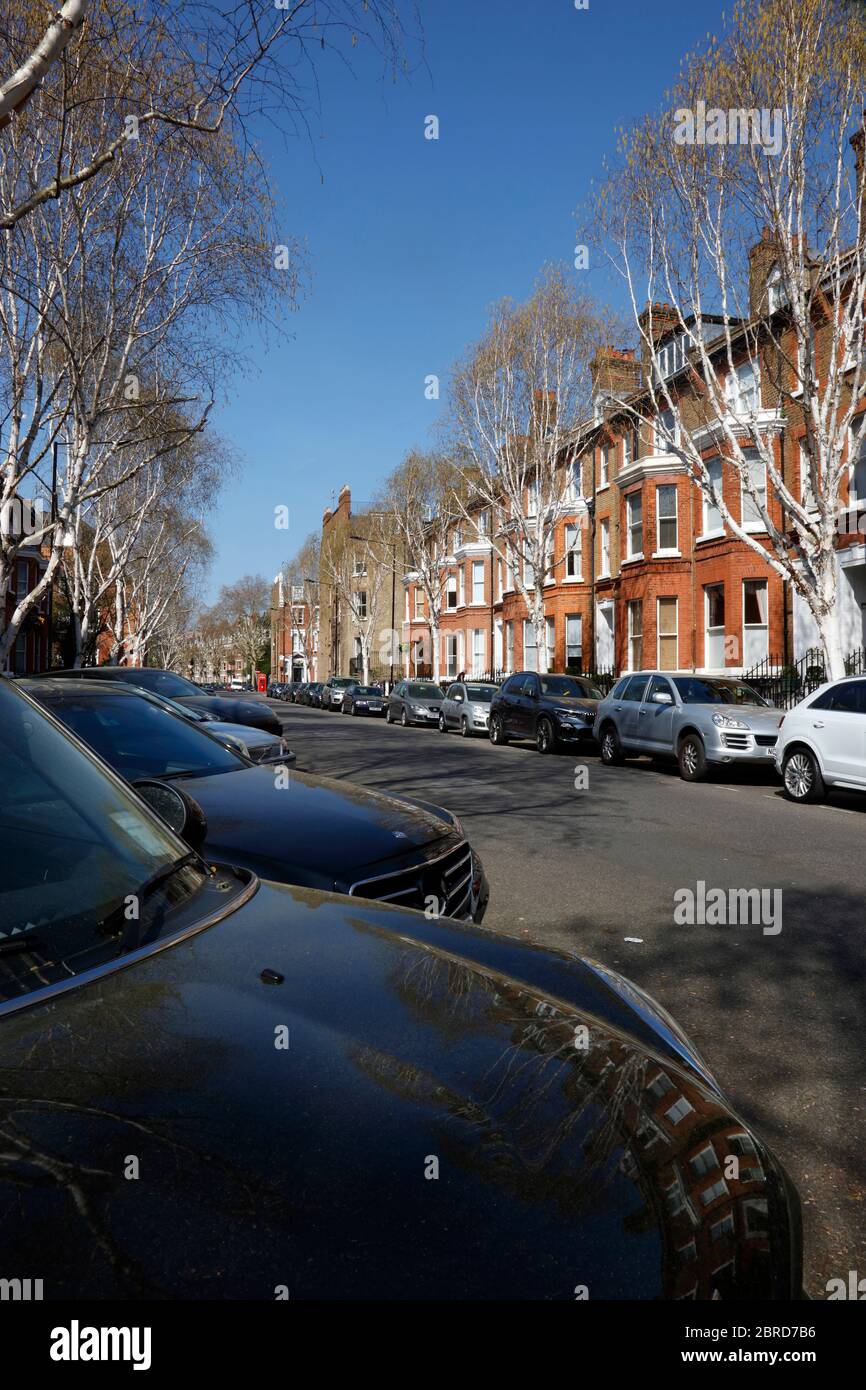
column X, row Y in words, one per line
column 261, row 683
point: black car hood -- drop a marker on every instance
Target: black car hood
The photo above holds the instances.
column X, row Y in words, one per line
column 233, row 711
column 315, row 831
column 393, row 1119
column 572, row 702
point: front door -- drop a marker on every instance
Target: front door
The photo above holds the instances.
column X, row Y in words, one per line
column 656, row 721
column 840, row 731
column 629, row 721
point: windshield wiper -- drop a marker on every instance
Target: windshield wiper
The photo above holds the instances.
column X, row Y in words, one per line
column 116, row 919
column 22, row 943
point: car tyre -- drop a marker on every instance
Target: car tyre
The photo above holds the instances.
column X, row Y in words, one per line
column 610, row 746
column 692, row 759
column 545, row 737
column 497, row 733
column 443, row 727
column 464, row 727
column 801, row 776
column 389, row 718
column 403, row 718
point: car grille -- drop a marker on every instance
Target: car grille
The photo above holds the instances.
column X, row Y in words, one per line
column 448, row 879
column 740, row 742
column 766, row 740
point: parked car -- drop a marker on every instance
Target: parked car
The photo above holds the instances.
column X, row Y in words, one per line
column 314, row 831
column 702, row 721
column 466, row 707
column 551, row 709
column 314, row 694
column 299, row 691
column 822, row 741
column 363, row 699
column 255, row 744
column 425, row 1037
column 415, row 702
column 227, row 707
column 333, row 691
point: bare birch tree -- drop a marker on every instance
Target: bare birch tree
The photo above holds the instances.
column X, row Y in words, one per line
column 518, row 400
column 421, row 494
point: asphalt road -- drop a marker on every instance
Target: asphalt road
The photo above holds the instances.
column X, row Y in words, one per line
column 779, row 1017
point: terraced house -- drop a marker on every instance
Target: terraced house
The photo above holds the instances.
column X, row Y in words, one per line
column 645, row 569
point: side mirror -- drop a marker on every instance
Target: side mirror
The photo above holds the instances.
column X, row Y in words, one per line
column 180, row 812
column 662, row 697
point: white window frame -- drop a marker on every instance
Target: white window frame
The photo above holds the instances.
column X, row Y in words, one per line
column 634, row 606
column 573, row 554
column 712, row 634
column 707, row 530
column 604, row 547
column 754, row 523
column 667, row 549
column 603, row 467
column 571, row 646
column 749, row 657
column 461, row 587
column 632, row 526
column 667, row 598
column 477, row 598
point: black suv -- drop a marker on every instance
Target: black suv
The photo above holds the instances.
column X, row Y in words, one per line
column 549, row 709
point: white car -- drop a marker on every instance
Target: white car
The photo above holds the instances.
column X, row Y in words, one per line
column 822, row 741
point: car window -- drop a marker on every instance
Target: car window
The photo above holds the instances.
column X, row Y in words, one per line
column 137, row 738
column 569, row 686
column 76, row 844
column 453, row 692
column 530, row 687
column 480, row 694
column 160, row 682
column 366, row 690
column 418, row 690
column 658, row 686
column 513, row 685
column 619, row 689
column 704, row 690
column 635, row 688
column 848, row 698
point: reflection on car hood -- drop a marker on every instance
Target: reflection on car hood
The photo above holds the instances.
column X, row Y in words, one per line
column 573, row 702
column 313, row 830
column 234, row 711
column 359, row 1129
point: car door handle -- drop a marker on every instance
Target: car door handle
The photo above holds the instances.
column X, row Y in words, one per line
column 818, row 724
column 641, row 713
column 618, row 709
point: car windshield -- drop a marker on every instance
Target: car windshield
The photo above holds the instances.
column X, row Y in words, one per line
column 418, row 690
column 367, row 690
column 160, row 682
column 76, row 846
column 341, row 682
column 480, row 694
column 699, row 690
column 196, row 716
column 137, row 738
column 569, row 687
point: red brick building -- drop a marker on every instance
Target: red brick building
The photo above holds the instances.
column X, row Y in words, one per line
column 644, row 571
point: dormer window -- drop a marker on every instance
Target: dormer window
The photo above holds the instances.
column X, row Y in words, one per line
column 672, row 357
column 776, row 296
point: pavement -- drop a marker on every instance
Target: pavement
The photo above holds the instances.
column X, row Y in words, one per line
column 587, row 859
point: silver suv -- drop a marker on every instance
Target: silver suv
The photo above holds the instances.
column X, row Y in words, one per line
column 699, row 720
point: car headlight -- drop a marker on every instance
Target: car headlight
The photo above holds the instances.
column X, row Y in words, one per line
column 727, row 721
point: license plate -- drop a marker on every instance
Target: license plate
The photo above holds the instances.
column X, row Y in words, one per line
column 771, row 752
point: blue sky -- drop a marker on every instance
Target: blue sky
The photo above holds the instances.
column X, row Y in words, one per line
column 410, row 240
